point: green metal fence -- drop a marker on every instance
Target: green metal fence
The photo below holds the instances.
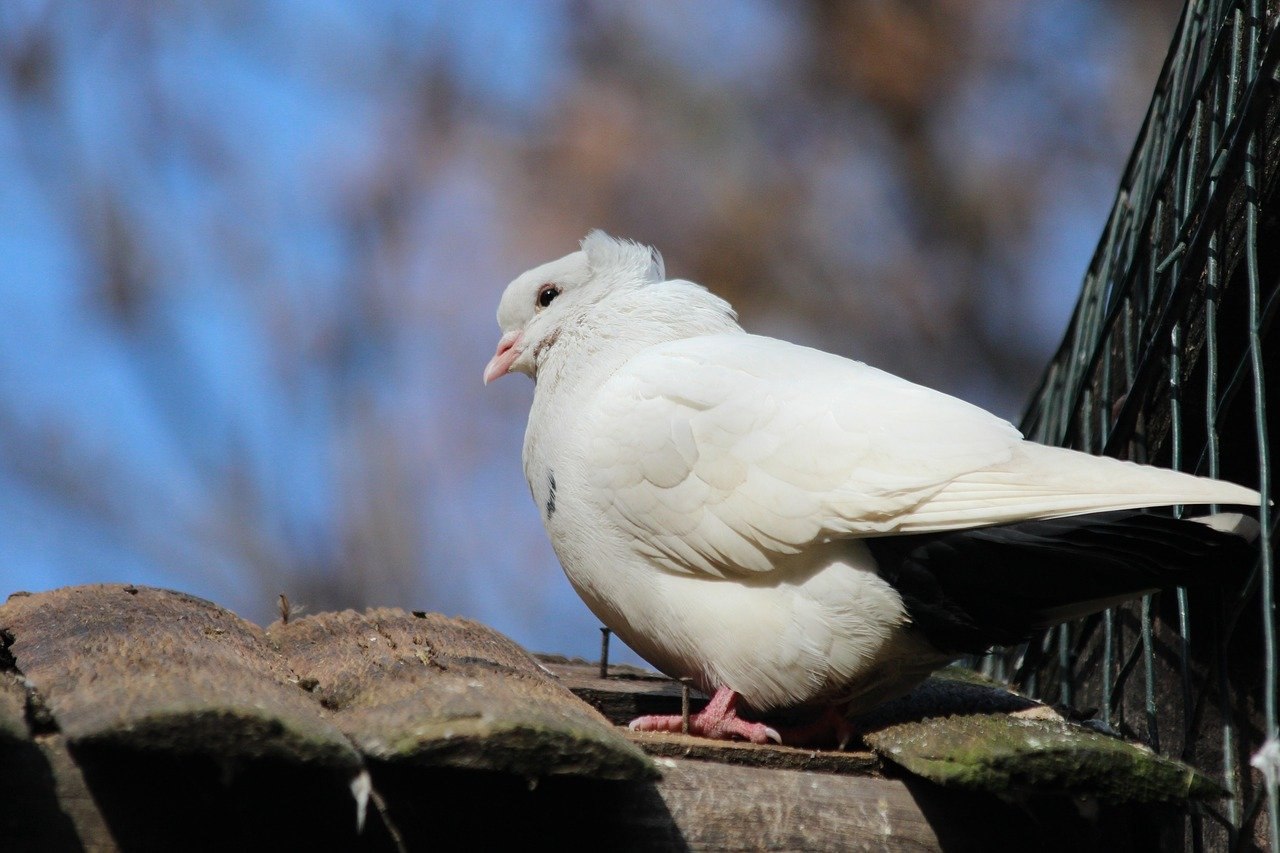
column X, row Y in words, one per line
column 1170, row 359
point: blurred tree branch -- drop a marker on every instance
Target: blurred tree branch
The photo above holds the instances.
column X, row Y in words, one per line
column 283, row 233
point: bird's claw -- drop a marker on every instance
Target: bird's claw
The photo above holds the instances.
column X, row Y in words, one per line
column 718, row 721
column 723, row 728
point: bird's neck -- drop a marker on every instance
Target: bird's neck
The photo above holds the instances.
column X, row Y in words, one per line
column 606, row 335
column 595, row 344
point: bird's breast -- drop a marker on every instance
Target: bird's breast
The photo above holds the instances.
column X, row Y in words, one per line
column 814, row 631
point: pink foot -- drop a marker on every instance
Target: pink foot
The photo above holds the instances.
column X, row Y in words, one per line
column 831, row 727
column 718, row 721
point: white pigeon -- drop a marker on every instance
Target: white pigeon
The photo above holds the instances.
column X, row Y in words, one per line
column 793, row 530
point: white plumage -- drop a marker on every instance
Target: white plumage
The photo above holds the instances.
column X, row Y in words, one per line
column 712, row 494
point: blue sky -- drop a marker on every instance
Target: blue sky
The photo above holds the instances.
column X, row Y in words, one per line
column 286, row 389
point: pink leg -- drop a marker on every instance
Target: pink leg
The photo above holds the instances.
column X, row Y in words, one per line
column 831, row 727
column 719, row 721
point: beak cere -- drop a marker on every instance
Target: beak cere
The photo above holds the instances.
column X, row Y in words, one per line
column 508, row 352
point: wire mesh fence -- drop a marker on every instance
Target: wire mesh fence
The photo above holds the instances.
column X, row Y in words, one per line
column 1170, row 359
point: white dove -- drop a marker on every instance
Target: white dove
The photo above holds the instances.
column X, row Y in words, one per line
column 793, row 530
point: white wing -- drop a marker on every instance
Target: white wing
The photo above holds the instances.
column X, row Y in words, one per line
column 721, row 454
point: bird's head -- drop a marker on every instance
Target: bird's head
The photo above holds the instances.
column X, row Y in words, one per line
column 537, row 306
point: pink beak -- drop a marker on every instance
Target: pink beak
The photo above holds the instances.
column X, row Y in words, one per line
column 508, row 352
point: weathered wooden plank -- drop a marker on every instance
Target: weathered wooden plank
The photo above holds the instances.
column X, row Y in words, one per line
column 858, row 762
column 430, row 690
column 627, row 693
column 725, row 807
column 696, row 805
column 710, row 806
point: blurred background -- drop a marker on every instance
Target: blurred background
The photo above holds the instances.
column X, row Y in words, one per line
column 250, row 252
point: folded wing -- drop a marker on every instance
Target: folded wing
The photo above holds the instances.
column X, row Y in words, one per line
column 723, row 454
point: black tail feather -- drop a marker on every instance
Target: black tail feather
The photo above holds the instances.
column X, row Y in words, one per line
column 967, row 590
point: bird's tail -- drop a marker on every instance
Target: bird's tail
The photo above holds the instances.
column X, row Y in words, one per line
column 967, row 590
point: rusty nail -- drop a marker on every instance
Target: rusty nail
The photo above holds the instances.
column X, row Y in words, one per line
column 684, row 704
column 604, row 652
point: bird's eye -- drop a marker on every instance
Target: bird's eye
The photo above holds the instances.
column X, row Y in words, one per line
column 546, row 294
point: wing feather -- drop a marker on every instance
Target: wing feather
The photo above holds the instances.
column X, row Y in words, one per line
column 721, row 454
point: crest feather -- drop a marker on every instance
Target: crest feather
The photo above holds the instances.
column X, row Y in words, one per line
column 626, row 258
